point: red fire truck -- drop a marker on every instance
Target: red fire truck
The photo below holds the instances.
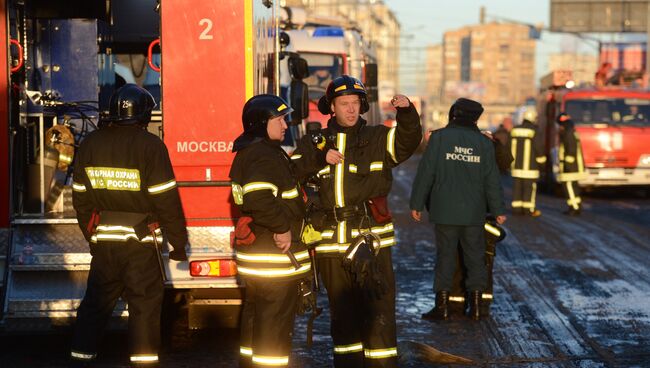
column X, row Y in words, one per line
column 613, row 122
column 205, row 59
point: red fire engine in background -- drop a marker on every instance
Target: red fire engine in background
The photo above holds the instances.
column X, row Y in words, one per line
column 612, row 119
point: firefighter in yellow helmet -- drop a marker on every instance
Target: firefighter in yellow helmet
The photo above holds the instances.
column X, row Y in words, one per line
column 125, row 195
column 527, row 148
column 572, row 166
column 266, row 190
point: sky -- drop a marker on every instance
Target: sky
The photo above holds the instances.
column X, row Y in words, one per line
column 423, row 22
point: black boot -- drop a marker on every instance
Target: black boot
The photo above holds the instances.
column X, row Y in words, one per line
column 475, row 304
column 441, row 310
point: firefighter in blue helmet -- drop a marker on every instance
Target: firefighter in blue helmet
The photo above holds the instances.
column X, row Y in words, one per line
column 266, row 190
column 125, row 195
column 354, row 253
column 572, row 166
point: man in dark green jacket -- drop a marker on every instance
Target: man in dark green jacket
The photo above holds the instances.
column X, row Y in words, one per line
column 457, row 178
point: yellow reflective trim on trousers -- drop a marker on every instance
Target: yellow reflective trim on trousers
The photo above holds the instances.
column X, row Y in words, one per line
column 492, row 230
column 573, row 176
column 380, row 353
column 541, row 159
column 573, row 201
column 295, row 157
column 271, row 258
column 346, row 349
column 524, row 174
column 244, row 350
column 237, row 193
column 458, row 299
column 527, row 149
column 273, row 272
column 290, row 194
column 487, row 296
column 270, row 360
column 376, row 166
column 513, row 150
column 114, row 178
column 339, row 172
column 352, row 168
column 390, row 144
column 142, row 358
column 561, row 157
column 82, row 356
column 78, row 187
column 581, row 163
column 522, row 133
column 387, row 242
column 533, row 195
column 161, row 188
column 260, row 185
column 569, row 159
column 516, row 203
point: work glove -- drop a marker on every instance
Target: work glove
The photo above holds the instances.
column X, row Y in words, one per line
column 358, row 261
column 178, row 254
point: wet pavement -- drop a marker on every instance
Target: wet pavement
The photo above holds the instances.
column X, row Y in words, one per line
column 569, row 292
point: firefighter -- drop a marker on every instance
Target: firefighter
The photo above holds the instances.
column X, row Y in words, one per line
column 124, row 187
column 457, row 179
column 352, row 192
column 266, row 190
column 572, row 167
column 527, row 148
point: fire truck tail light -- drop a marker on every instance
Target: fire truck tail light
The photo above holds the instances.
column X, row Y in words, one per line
column 213, row 268
column 644, row 160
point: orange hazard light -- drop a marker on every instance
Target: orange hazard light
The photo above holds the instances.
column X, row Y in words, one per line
column 213, row 268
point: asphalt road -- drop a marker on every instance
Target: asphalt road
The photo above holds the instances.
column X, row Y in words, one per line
column 569, row 292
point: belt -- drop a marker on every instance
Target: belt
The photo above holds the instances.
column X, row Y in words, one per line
column 348, row 212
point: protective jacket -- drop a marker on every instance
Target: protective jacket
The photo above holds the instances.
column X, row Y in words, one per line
column 527, row 148
column 127, row 169
column 572, row 166
column 370, row 154
column 265, row 187
column 123, row 181
column 458, row 151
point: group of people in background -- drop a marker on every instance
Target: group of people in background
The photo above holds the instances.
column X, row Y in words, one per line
column 344, row 228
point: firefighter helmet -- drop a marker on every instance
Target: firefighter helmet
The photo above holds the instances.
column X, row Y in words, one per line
column 341, row 86
column 259, row 109
column 563, row 118
column 529, row 113
column 131, row 105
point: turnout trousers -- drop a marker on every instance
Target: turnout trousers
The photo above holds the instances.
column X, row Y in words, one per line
column 130, row 270
column 267, row 322
column 523, row 195
column 572, row 193
column 362, row 326
column 472, row 242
